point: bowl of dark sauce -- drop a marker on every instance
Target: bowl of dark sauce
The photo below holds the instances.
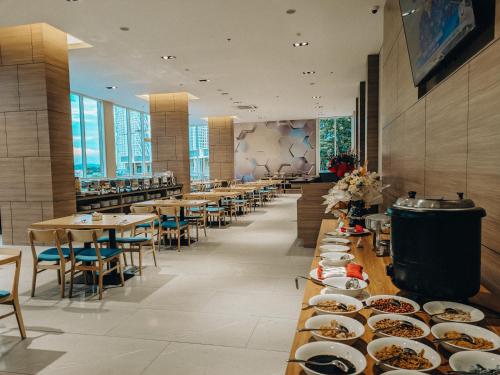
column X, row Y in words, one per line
column 327, row 351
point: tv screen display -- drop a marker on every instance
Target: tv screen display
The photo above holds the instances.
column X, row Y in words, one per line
column 432, row 29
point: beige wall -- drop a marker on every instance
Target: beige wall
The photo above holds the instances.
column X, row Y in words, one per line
column 36, row 148
column 221, row 143
column 449, row 140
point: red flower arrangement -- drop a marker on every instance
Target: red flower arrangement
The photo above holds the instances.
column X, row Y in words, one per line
column 343, row 163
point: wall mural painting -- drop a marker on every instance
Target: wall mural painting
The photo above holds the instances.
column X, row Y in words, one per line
column 274, row 147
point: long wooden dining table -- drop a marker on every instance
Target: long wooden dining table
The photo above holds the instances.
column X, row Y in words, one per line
column 379, row 283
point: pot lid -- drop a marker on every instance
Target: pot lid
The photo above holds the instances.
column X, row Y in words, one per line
column 383, row 218
column 437, row 203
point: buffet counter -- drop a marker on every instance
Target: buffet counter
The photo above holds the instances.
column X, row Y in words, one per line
column 379, row 283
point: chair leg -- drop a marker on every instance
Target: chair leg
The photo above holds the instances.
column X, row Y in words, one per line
column 197, row 232
column 100, row 280
column 72, row 277
column 154, row 256
column 132, row 259
column 62, row 273
column 189, row 236
column 179, row 240
column 125, row 259
column 19, row 317
column 140, row 260
column 120, row 266
column 58, row 274
column 33, row 282
column 205, row 228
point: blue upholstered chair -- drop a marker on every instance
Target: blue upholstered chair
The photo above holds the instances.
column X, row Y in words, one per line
column 94, row 258
column 171, row 226
column 55, row 257
column 9, row 256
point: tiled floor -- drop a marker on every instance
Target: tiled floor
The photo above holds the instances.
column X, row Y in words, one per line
column 227, row 305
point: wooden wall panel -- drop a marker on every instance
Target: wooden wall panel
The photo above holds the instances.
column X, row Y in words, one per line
column 221, row 147
column 372, row 106
column 446, row 136
column 451, row 138
column 362, row 122
column 36, row 148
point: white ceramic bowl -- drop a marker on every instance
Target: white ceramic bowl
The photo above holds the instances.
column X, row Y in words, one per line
column 337, row 285
column 312, row 349
column 440, row 329
column 324, row 320
column 465, row 361
column 339, row 240
column 338, row 298
column 337, row 234
column 334, row 259
column 416, row 306
column 379, row 344
column 375, row 318
column 435, row 307
column 334, row 248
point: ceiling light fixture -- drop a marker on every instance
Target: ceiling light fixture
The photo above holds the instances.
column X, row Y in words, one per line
column 124, row 28
column 290, row 11
column 309, row 73
column 168, row 57
column 204, row 80
column 111, row 87
column 224, row 93
column 300, row 44
column 316, row 97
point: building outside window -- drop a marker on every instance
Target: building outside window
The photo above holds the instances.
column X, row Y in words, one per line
column 88, row 137
column 335, row 137
column 132, row 142
column 199, row 152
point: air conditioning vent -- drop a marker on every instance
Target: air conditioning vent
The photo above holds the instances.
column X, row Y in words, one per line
column 247, row 107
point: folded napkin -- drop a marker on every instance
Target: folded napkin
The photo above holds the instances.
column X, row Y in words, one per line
column 354, row 270
column 359, row 229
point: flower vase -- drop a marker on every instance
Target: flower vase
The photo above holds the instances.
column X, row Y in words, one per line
column 356, row 213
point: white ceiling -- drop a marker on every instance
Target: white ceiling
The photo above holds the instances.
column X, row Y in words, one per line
column 258, row 66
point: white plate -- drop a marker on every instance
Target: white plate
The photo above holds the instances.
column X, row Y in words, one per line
column 314, row 275
column 337, row 234
column 334, row 259
column 336, row 240
column 435, row 307
column 334, row 248
column 364, row 295
column 418, row 323
column 464, row 361
column 440, row 329
column 378, row 344
column 337, row 285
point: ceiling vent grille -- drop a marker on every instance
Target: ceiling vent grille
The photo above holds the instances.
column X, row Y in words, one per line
column 247, row 107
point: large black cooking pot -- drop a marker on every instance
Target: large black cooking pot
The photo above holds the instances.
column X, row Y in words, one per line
column 436, row 246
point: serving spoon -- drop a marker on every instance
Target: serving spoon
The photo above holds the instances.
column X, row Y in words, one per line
column 401, row 324
column 405, row 351
column 448, row 310
column 463, row 337
column 350, row 284
column 334, row 362
column 340, row 328
column 343, row 306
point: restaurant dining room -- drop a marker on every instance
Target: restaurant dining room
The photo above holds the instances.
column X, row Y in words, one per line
column 235, row 187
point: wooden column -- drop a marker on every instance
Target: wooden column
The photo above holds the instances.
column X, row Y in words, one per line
column 362, row 122
column 36, row 148
column 109, row 138
column 221, row 141
column 372, row 130
column 170, row 135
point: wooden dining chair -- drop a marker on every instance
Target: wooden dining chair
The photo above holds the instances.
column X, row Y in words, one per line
column 171, row 225
column 94, row 258
column 53, row 258
column 9, row 256
column 215, row 212
column 197, row 217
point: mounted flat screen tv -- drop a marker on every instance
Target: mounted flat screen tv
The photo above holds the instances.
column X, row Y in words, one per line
column 433, row 28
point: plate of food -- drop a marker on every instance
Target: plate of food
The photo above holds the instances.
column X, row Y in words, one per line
column 395, row 325
column 328, row 351
column 334, row 259
column 361, row 296
column 337, row 304
column 456, row 337
column 334, row 328
column 334, row 248
column 477, row 362
column 321, row 273
column 396, row 353
column 348, row 286
column 391, row 304
column 446, row 311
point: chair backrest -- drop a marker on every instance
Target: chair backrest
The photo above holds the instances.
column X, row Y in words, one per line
column 14, row 256
column 55, row 237
column 141, row 209
column 85, row 236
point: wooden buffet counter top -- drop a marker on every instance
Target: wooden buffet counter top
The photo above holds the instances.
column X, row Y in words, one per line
column 379, row 283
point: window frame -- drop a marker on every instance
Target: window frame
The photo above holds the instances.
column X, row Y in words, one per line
column 334, row 118
column 83, row 140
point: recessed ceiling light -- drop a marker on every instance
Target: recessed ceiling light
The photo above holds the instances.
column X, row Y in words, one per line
column 124, row 28
column 204, row 80
column 312, row 84
column 290, row 11
column 308, row 73
column 300, row 44
column 224, row 93
column 237, row 102
column 111, row 87
column 168, row 57
column 316, row 97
